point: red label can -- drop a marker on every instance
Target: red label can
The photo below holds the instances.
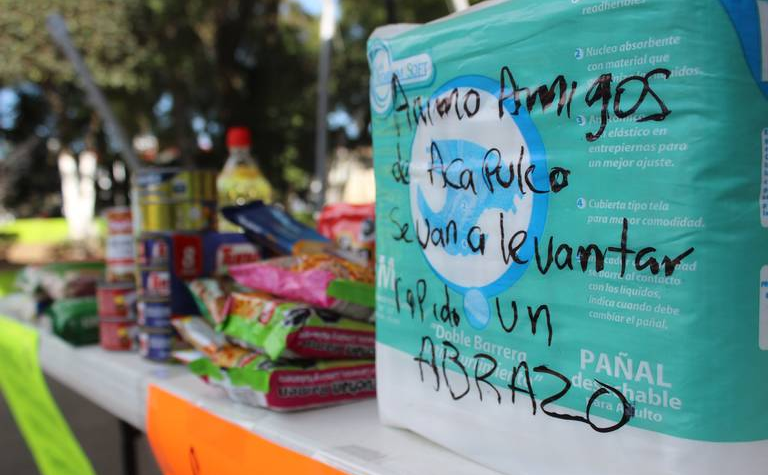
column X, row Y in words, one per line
column 116, row 300
column 117, row 334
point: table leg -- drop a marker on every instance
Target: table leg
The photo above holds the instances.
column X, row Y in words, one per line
column 128, row 437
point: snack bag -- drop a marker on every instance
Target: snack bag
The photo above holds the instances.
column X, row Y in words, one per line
column 306, row 278
column 351, row 227
column 258, row 381
column 211, row 296
column 76, row 320
column 273, row 228
column 572, row 203
column 283, row 329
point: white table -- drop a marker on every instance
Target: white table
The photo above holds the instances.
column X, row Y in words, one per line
column 347, row 437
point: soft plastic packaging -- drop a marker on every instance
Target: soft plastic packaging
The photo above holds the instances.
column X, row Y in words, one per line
column 273, row 228
column 306, row 278
column 351, row 227
column 289, row 386
column 282, row 329
column 572, row 202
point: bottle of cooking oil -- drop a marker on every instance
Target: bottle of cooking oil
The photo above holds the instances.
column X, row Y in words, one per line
column 241, row 180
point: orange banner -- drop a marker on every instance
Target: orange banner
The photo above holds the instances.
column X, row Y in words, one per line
column 187, row 440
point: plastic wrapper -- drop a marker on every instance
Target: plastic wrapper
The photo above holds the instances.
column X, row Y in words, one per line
column 61, row 280
column 351, row 227
column 283, row 329
column 274, row 229
column 76, row 320
column 211, row 296
column 258, row 381
column 306, row 278
column 572, row 218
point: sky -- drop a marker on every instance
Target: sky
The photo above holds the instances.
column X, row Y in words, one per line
column 314, row 6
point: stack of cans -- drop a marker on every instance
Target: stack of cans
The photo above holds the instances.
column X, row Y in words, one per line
column 154, row 308
column 175, row 199
column 116, row 296
column 117, row 319
column 166, row 200
column 119, row 253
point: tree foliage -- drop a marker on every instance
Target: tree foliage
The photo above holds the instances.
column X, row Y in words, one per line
column 185, row 70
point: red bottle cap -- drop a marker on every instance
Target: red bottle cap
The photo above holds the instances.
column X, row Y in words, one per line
column 238, row 137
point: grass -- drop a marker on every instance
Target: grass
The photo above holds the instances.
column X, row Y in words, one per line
column 39, row 230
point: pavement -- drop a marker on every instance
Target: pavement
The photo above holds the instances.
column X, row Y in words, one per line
column 97, row 431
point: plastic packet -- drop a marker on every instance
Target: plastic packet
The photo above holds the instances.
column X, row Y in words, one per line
column 306, row 278
column 351, row 227
column 284, row 329
column 199, row 334
column 258, row 381
column 211, row 296
column 76, row 320
column 273, row 228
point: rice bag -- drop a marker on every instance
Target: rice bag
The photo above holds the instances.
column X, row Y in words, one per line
column 283, row 329
column 76, row 320
column 258, row 381
column 572, row 219
column 306, row 278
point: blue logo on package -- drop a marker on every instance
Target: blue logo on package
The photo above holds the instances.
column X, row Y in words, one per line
column 750, row 19
column 478, row 191
column 411, row 71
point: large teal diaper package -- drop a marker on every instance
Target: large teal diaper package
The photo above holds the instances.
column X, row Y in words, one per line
column 572, row 213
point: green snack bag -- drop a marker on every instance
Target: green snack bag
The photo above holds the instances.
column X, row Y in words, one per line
column 288, row 386
column 292, row 330
column 571, row 235
column 76, row 320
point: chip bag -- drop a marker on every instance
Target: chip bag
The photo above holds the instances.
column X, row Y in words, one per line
column 306, row 278
column 282, row 329
column 256, row 380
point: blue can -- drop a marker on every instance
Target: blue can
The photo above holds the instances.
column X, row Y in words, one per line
column 154, row 313
column 156, row 344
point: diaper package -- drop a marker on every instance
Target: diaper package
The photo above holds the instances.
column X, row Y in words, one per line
column 572, row 263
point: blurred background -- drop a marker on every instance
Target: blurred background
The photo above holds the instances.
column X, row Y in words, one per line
column 177, row 74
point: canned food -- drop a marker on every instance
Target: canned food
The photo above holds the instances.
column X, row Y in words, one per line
column 156, row 345
column 119, row 257
column 154, row 313
column 156, row 216
column 119, row 220
column 155, row 184
column 194, row 216
column 155, row 282
column 208, row 190
column 194, row 185
column 155, row 250
column 116, row 300
column 117, row 334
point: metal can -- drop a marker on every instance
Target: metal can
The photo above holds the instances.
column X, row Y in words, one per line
column 156, row 216
column 119, row 220
column 117, row 334
column 120, row 257
column 116, row 300
column 155, row 282
column 194, row 185
column 155, row 344
column 194, row 216
column 155, row 249
column 208, row 190
column 155, row 184
column 154, row 313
